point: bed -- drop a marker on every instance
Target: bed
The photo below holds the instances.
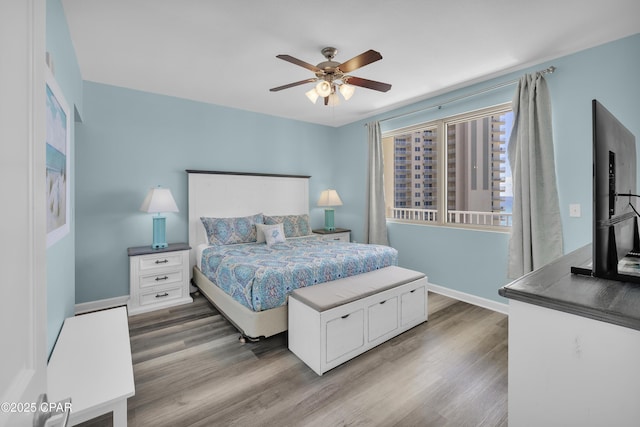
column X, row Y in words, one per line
column 249, row 281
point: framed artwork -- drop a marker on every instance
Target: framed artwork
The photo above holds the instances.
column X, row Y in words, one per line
column 58, row 145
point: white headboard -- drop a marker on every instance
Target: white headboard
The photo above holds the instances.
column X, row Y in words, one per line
column 231, row 194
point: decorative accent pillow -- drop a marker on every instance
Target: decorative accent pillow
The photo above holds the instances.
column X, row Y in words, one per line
column 273, row 234
column 260, row 230
column 294, row 225
column 229, row 231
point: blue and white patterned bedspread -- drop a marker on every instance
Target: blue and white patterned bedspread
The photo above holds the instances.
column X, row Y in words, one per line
column 260, row 277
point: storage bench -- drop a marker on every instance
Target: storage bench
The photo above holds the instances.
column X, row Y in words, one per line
column 333, row 322
column 91, row 363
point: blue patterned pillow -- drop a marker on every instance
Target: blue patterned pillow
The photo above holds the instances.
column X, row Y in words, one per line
column 229, row 231
column 273, row 234
column 294, row 225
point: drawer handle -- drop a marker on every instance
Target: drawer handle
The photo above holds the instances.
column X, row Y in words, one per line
column 336, row 238
column 161, row 278
column 162, row 295
column 345, row 316
column 382, row 302
column 164, row 261
column 412, row 291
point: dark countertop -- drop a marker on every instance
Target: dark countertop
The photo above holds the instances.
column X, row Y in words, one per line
column 553, row 286
column 147, row 250
column 334, row 231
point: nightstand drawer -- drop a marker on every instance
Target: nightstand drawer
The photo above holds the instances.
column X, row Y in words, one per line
column 161, row 278
column 163, row 294
column 341, row 237
column 171, row 259
column 339, row 234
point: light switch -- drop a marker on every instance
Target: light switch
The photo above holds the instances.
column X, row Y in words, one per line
column 574, row 210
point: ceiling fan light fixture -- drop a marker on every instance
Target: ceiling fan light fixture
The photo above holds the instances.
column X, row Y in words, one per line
column 312, row 95
column 332, row 77
column 323, row 88
column 334, row 100
column 347, row 91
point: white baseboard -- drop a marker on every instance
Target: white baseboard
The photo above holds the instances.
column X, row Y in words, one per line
column 102, row 304
column 471, row 299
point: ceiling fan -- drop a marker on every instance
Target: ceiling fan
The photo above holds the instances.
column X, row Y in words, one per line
column 332, row 76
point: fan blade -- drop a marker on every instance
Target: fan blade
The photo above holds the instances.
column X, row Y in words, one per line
column 299, row 62
column 301, row 82
column 369, row 84
column 361, row 60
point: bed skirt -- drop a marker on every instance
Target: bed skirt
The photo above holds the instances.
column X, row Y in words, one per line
column 251, row 324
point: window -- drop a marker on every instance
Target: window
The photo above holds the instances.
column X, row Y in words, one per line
column 464, row 171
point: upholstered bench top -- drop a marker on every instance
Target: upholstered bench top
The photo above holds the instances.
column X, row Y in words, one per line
column 328, row 295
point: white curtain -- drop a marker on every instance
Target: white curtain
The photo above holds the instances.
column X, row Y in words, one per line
column 376, row 224
column 536, row 234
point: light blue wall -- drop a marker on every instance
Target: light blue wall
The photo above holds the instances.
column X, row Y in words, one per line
column 61, row 255
column 475, row 262
column 130, row 141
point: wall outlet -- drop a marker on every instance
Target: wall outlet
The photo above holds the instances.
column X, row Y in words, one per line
column 574, row 210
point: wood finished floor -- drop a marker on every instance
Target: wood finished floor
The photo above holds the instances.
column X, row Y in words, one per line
column 190, row 370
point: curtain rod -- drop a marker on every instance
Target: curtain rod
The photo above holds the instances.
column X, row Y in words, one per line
column 548, row 70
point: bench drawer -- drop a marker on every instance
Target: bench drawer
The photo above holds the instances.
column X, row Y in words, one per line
column 383, row 318
column 413, row 306
column 345, row 334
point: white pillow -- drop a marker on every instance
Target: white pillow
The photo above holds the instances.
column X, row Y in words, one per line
column 260, row 233
column 273, row 233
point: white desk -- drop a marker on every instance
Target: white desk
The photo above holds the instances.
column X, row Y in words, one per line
column 91, row 363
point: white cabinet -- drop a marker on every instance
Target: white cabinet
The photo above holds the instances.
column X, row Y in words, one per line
column 569, row 370
column 158, row 278
column 339, row 234
column 325, row 339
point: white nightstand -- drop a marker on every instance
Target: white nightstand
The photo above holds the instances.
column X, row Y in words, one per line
column 341, row 234
column 158, row 278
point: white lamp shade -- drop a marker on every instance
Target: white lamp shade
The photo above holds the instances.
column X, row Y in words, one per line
column 323, row 88
column 329, row 198
column 159, row 200
column 334, row 100
column 347, row 91
column 312, row 95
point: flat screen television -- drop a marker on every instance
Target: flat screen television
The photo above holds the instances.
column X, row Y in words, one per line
column 616, row 244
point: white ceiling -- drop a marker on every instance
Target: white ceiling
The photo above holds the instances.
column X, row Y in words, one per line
column 224, row 51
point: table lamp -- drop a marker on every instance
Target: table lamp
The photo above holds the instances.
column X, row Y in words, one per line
column 328, row 199
column 159, row 200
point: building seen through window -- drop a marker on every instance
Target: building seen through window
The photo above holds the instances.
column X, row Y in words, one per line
column 452, row 171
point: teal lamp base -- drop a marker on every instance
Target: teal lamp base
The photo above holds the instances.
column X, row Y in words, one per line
column 159, row 237
column 328, row 220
